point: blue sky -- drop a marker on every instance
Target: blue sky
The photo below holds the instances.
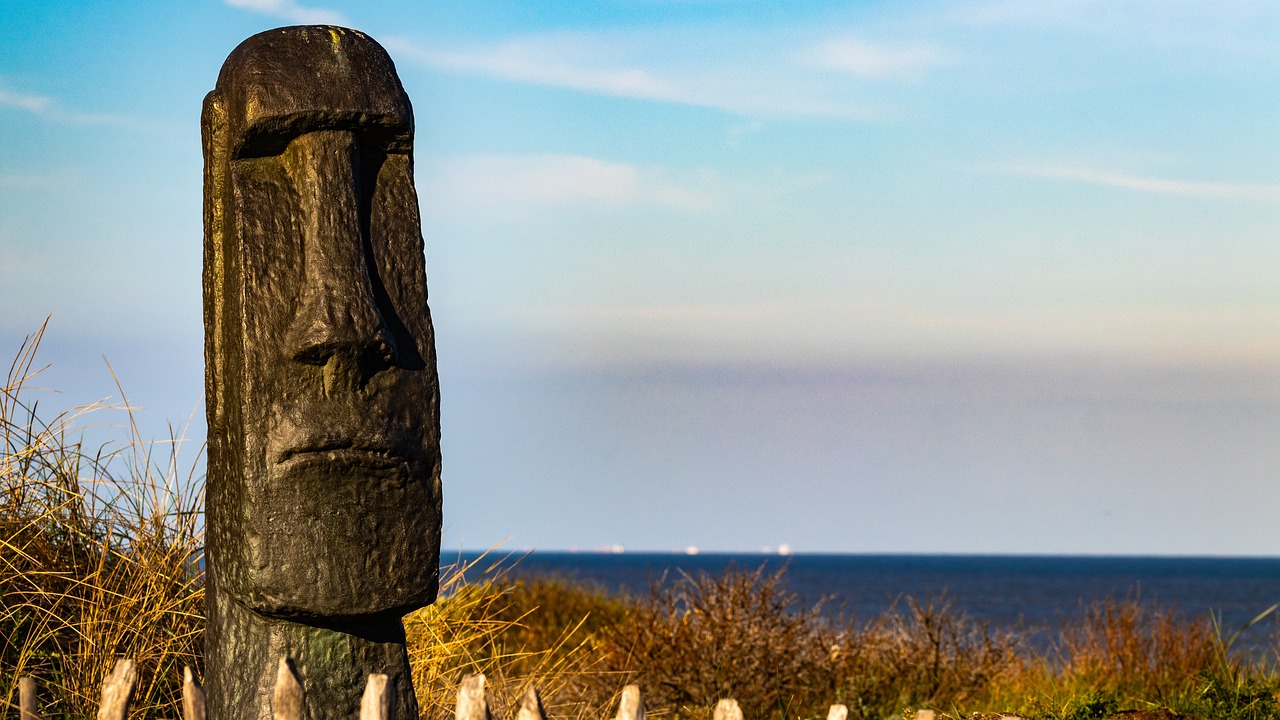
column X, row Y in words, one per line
column 955, row 276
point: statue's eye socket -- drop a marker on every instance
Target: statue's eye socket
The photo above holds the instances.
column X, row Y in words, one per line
column 263, row 145
column 270, row 142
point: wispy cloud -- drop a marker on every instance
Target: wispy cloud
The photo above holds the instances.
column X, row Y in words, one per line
column 52, row 110
column 30, row 103
column 292, row 11
column 489, row 187
column 1234, row 26
column 1148, row 184
column 527, row 61
column 861, row 58
column 754, row 74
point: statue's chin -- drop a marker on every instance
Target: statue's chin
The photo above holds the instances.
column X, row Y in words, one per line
column 343, row 533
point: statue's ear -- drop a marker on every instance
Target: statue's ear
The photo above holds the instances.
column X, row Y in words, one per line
column 213, row 131
column 213, row 124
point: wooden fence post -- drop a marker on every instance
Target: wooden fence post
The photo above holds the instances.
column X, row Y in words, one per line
column 531, row 706
column 631, row 705
column 838, row 712
column 117, row 691
column 727, row 709
column 379, row 698
column 471, row 701
column 27, row 699
column 192, row 696
column 288, row 700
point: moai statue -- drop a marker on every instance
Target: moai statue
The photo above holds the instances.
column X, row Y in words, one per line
column 323, row 496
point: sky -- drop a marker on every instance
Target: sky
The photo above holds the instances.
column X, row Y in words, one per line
column 955, row 276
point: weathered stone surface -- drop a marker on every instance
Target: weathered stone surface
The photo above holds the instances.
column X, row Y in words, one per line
column 323, row 491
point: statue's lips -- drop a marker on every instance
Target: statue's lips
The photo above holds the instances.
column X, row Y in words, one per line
column 371, row 456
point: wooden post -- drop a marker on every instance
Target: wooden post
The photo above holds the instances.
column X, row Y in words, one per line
column 631, row 705
column 379, row 698
column 117, row 691
column 192, row 696
column 27, row 699
column 531, row 706
column 838, row 712
column 471, row 702
column 288, row 700
column 925, row 715
column 727, row 709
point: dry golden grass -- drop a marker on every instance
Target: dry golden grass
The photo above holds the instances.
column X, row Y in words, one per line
column 1138, row 649
column 99, row 556
column 481, row 626
column 1129, row 654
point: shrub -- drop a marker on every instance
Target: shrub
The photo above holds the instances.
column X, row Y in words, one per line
column 736, row 635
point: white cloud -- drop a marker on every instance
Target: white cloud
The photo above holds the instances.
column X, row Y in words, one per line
column 292, row 11
column 1163, row 186
column 758, row 75
column 1233, row 26
column 873, row 61
column 50, row 109
column 527, row 62
column 30, row 103
column 487, row 187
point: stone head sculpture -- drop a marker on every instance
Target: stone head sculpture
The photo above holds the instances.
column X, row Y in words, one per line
column 323, row 492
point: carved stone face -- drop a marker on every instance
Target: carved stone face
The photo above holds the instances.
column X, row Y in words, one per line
column 324, row 463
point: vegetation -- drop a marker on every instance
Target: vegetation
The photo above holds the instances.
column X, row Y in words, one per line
column 100, row 558
column 742, row 635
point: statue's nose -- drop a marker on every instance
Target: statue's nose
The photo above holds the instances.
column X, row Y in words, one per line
column 338, row 318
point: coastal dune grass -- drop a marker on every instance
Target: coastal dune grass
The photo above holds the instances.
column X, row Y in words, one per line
column 483, row 625
column 100, row 558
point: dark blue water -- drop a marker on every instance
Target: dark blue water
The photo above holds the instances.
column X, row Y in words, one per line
column 1031, row 593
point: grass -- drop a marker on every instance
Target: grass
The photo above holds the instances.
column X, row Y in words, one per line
column 97, row 555
column 491, row 625
column 100, row 554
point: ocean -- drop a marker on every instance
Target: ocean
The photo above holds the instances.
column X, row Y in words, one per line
column 1031, row 593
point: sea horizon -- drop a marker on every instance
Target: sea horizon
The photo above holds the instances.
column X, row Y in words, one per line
column 1032, row 592
column 445, row 552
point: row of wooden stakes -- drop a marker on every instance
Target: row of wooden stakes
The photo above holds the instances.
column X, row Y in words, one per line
column 376, row 703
